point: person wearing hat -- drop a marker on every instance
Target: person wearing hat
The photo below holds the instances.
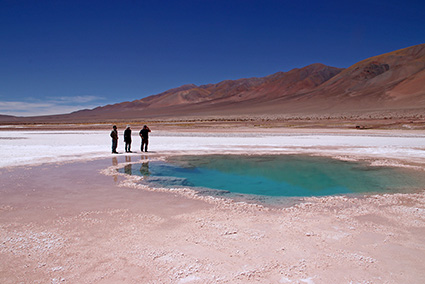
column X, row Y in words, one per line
column 114, row 136
column 144, row 134
column 127, row 139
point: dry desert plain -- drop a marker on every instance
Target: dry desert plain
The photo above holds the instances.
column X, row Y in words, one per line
column 67, row 215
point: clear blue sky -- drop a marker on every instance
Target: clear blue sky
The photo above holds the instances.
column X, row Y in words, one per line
column 59, row 56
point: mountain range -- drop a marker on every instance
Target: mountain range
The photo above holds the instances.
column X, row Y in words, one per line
column 393, row 81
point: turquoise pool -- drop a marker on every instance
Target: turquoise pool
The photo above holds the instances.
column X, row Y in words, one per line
column 276, row 175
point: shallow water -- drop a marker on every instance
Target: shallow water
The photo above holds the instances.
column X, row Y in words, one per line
column 276, row 175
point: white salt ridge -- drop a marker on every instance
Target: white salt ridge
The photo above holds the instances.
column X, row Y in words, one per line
column 287, row 280
column 19, row 148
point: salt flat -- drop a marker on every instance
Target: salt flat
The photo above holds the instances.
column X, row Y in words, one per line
column 34, row 147
column 68, row 217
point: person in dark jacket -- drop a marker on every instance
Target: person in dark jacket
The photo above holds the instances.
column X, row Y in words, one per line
column 114, row 136
column 144, row 133
column 127, row 139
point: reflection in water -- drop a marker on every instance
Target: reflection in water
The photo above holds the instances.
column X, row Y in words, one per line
column 115, row 163
column 128, row 167
column 144, row 169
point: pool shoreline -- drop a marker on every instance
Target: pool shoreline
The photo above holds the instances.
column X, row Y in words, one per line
column 137, row 181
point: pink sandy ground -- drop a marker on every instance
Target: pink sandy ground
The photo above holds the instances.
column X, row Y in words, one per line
column 81, row 222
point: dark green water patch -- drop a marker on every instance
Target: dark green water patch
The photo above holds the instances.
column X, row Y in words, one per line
column 276, row 175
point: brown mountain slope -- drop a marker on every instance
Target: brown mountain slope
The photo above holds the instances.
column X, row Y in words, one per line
column 391, row 80
column 272, row 86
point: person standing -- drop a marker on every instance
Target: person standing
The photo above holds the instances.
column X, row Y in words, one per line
column 127, row 139
column 114, row 136
column 144, row 133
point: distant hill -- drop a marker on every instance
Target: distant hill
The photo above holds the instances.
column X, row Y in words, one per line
column 7, row 118
column 393, row 81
